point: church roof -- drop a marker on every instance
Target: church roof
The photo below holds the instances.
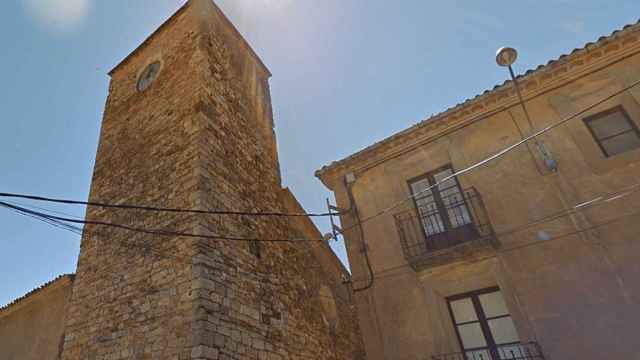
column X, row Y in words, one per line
column 35, row 291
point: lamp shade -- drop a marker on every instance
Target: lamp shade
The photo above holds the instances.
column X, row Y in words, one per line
column 506, row 56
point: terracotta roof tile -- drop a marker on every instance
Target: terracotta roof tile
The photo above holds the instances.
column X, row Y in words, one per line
column 563, row 57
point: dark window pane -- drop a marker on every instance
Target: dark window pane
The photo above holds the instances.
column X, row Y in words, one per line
column 442, row 206
column 609, row 125
column 445, row 184
column 621, row 143
column 419, row 188
column 614, row 131
column 427, row 207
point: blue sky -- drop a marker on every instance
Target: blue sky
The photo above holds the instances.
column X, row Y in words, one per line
column 346, row 73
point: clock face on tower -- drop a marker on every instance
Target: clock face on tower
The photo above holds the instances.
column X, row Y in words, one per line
column 148, row 76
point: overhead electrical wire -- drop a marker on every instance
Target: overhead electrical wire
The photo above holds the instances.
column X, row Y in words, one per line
column 31, row 206
column 499, row 154
column 161, row 253
column 359, row 223
column 495, row 156
column 595, row 202
column 526, row 245
column 162, row 209
column 53, row 223
column 79, row 231
column 152, row 231
column 381, row 274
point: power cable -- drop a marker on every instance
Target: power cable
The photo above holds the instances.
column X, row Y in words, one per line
column 152, row 231
column 44, row 209
column 583, row 206
column 495, row 156
column 536, row 243
column 600, row 200
column 478, row 164
column 597, row 201
column 156, row 251
column 215, row 237
column 162, row 209
column 79, row 231
column 359, row 223
column 56, row 224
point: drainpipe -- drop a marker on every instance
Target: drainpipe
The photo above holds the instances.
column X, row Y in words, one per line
column 349, row 182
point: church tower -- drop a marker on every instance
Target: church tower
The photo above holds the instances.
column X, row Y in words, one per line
column 188, row 124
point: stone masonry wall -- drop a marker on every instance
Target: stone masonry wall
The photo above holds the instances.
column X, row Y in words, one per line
column 255, row 300
column 329, row 283
column 131, row 298
column 201, row 136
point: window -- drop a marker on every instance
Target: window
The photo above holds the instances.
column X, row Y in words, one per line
column 443, row 211
column 148, row 76
column 484, row 326
column 614, row 131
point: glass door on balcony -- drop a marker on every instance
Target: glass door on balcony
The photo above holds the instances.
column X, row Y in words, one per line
column 484, row 326
column 443, row 211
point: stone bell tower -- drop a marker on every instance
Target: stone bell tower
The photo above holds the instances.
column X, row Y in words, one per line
column 188, row 124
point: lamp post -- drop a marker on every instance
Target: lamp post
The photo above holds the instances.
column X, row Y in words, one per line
column 505, row 57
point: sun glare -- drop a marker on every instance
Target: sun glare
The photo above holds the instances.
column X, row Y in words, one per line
column 58, row 15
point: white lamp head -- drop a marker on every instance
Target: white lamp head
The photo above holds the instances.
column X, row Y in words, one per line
column 506, row 56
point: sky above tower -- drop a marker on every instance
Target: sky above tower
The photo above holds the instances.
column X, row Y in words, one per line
column 346, row 73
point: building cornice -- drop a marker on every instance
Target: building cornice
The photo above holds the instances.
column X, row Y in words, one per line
column 556, row 73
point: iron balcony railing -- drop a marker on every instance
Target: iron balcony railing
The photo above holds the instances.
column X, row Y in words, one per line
column 441, row 222
column 526, row 351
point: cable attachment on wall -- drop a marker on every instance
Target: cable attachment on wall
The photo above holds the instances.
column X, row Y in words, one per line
column 334, row 211
column 550, row 162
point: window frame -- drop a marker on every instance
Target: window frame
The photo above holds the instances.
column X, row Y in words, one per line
column 482, row 320
column 441, row 207
column 634, row 128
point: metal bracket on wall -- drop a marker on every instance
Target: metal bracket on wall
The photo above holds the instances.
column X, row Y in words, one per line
column 334, row 211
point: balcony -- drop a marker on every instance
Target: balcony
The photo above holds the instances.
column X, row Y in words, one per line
column 443, row 227
column 527, row 351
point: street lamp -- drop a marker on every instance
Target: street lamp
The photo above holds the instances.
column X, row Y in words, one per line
column 505, row 57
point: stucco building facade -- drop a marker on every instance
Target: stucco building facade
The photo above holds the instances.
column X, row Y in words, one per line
column 511, row 259
column 188, row 125
column 33, row 327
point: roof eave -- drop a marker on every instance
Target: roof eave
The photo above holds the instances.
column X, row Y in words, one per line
column 336, row 167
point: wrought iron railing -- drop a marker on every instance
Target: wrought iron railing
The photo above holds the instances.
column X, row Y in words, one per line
column 525, row 351
column 439, row 223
